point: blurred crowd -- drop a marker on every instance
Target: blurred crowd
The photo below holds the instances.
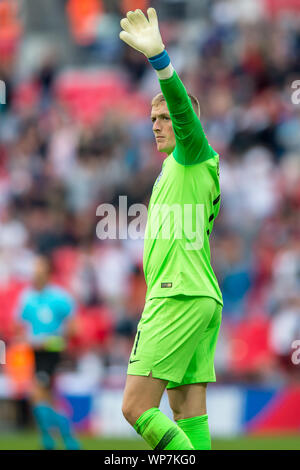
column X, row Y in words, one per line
column 62, row 155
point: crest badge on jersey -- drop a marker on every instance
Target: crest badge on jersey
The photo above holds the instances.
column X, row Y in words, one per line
column 158, row 178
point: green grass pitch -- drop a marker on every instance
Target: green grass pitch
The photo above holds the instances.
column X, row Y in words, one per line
column 30, row 441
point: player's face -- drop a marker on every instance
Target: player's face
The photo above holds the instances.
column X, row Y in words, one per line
column 41, row 272
column 162, row 128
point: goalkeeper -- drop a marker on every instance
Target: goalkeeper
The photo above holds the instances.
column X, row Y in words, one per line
column 177, row 333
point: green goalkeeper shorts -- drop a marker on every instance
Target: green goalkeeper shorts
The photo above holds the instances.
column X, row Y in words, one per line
column 176, row 340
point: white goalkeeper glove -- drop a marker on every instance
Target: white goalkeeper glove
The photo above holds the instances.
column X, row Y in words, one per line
column 141, row 33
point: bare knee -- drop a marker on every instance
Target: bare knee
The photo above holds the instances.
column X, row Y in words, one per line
column 188, row 401
column 141, row 393
column 177, row 416
column 131, row 411
column 127, row 412
column 188, row 410
column 178, row 413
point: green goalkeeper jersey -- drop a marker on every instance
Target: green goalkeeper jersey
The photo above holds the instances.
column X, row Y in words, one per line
column 184, row 203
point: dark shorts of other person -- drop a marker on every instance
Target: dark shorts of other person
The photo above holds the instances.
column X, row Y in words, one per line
column 46, row 363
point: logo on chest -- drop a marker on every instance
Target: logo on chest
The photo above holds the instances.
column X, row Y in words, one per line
column 158, row 178
column 45, row 315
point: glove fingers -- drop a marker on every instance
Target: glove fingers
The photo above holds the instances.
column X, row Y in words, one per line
column 140, row 18
column 131, row 18
column 126, row 25
column 128, row 38
column 152, row 17
column 136, row 19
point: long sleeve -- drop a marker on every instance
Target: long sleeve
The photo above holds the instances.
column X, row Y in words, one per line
column 192, row 146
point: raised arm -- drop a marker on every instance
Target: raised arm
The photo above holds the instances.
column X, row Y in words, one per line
column 143, row 35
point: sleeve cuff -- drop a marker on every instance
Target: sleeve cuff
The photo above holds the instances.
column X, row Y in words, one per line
column 160, row 61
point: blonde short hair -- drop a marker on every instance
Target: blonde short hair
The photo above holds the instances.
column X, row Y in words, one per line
column 195, row 103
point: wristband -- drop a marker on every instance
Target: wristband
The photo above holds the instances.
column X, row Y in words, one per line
column 160, row 61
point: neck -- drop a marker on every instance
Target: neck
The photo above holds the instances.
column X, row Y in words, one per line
column 39, row 285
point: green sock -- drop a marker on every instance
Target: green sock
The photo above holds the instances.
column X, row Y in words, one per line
column 160, row 432
column 197, row 431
